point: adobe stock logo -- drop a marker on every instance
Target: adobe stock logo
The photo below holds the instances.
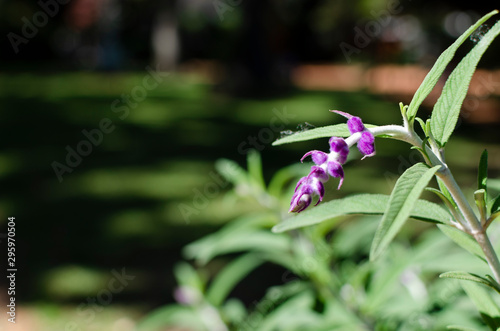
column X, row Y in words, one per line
column 29, row 30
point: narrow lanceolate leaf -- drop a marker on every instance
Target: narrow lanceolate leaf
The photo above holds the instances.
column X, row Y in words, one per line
column 433, row 76
column 463, row 275
column 463, row 240
column 446, row 110
column 231, row 171
column 482, row 171
column 254, row 164
column 371, row 204
column 490, row 312
column 230, row 276
column 443, row 197
column 495, row 207
column 338, row 130
column 446, row 192
column 401, row 202
column 459, row 328
column 480, row 198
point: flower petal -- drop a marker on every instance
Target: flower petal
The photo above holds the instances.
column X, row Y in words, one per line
column 301, row 181
column 335, row 170
column 319, row 189
column 318, row 157
column 318, row 173
column 366, row 144
column 300, row 201
column 355, row 124
column 346, row 115
column 339, row 146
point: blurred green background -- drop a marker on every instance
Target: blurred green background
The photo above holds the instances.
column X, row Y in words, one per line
column 226, row 68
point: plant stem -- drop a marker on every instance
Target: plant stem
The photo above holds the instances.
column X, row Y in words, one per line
column 474, row 226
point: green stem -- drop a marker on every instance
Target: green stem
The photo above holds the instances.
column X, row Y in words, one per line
column 472, row 224
column 475, row 227
column 407, row 135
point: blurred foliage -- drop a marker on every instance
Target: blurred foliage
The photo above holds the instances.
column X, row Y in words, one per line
column 120, row 206
column 327, row 282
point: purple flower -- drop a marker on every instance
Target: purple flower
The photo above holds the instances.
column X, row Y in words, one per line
column 334, row 169
column 330, row 164
column 366, row 143
column 325, row 165
column 355, row 124
column 318, row 157
column 300, row 200
column 339, row 146
column 187, row 295
column 307, row 187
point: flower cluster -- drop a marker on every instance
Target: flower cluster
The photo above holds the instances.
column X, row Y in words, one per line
column 366, row 140
column 330, row 164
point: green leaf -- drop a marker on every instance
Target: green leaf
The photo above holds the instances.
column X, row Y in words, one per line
column 447, row 108
column 480, row 199
column 496, row 205
column 283, row 176
column 401, row 202
column 463, row 275
column 449, row 202
column 432, row 77
column 171, row 315
column 231, row 171
column 294, row 314
column 234, row 311
column 204, row 249
column 229, row 277
column 482, row 172
column 371, row 204
column 187, row 276
column 493, row 282
column 254, row 164
column 422, row 125
column 484, row 303
column 338, row 130
column 459, row 328
column 443, row 197
column 445, row 191
column 463, row 240
column 240, row 241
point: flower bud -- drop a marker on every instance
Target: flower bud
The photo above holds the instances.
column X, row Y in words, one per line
column 318, row 157
column 334, row 169
column 366, row 144
column 339, row 146
column 355, row 124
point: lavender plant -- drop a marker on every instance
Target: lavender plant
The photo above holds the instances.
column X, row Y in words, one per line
column 327, row 283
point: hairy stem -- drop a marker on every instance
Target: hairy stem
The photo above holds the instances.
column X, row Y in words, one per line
column 475, row 227
column 407, row 135
column 472, row 224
